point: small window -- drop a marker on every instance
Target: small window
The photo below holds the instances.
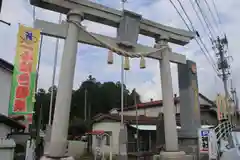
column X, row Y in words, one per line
column 107, row 138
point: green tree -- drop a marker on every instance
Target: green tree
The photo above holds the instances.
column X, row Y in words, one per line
column 98, row 97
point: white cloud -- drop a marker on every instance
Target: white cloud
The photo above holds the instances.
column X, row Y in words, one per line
column 92, row 60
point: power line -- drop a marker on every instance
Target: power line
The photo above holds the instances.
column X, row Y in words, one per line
column 180, row 15
column 216, row 10
column 214, row 19
column 201, row 22
column 208, row 56
column 211, row 59
column 205, row 18
column 186, row 14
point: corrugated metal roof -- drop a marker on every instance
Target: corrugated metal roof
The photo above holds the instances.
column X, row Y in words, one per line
column 148, row 127
column 154, row 127
column 6, row 65
column 10, row 122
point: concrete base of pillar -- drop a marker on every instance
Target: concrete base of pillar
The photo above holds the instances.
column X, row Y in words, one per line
column 58, row 149
column 230, row 141
column 123, row 135
column 122, row 157
column 65, row 158
column 47, row 138
column 188, row 134
column 175, row 156
column 189, row 145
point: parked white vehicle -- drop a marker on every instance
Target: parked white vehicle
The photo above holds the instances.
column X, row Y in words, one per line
column 232, row 153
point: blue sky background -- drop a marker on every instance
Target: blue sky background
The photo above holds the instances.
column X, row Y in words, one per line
column 93, row 60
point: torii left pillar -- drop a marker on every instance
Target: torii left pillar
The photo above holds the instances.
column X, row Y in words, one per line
column 58, row 143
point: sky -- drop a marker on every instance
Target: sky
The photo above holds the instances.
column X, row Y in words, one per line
column 93, row 60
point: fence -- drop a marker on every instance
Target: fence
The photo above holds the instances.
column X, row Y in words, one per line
column 222, row 132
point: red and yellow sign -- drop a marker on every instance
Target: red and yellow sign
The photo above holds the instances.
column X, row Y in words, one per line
column 24, row 74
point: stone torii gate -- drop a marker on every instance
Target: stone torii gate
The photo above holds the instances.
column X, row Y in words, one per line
column 129, row 26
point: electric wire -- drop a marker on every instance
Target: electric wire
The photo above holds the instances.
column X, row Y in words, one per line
column 184, row 11
column 205, row 18
column 201, row 41
column 206, row 54
column 201, row 22
column 210, row 60
column 213, row 17
column 216, row 10
column 193, row 28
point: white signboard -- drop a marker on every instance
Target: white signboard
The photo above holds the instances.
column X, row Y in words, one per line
column 213, row 147
column 203, row 140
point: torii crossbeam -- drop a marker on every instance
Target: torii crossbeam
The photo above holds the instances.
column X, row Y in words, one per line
column 60, row 31
column 112, row 17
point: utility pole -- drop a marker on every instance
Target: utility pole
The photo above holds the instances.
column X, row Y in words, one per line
column 233, row 94
column 85, row 104
column 221, row 45
column 237, row 111
column 89, row 128
column 136, row 108
column 235, row 101
column 54, row 76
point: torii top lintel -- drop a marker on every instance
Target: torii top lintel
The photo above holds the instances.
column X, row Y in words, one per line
column 108, row 16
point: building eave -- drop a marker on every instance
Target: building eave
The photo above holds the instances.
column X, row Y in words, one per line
column 208, row 100
column 6, row 65
column 144, row 120
column 11, row 122
column 159, row 103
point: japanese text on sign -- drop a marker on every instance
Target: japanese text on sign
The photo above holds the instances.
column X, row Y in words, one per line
column 24, row 74
column 23, row 80
column 203, row 140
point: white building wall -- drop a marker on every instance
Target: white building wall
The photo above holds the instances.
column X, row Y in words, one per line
column 178, row 108
column 4, row 131
column 76, row 148
column 133, row 112
column 113, row 127
column 149, row 112
column 113, row 111
column 5, row 88
column 154, row 111
column 203, row 101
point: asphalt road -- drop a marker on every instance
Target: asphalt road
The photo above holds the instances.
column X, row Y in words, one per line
column 232, row 154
